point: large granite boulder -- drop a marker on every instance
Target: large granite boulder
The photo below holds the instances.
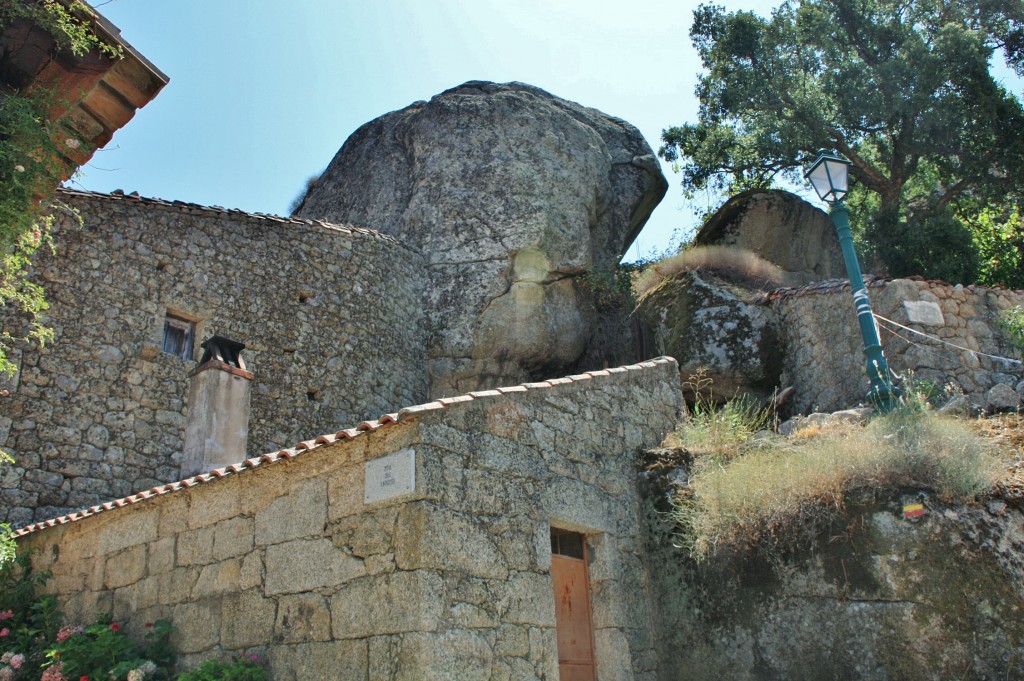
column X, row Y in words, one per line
column 783, row 229
column 718, row 328
column 511, row 193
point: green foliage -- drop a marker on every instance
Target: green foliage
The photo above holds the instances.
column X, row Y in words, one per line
column 31, row 621
column 31, row 167
column 1012, row 322
column 610, row 290
column 33, row 642
column 719, row 431
column 242, row 669
column 67, row 23
column 999, row 240
column 102, row 651
column 7, row 545
column 902, row 89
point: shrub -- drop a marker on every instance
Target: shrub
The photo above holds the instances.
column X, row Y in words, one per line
column 102, row 651
column 741, row 501
column 1012, row 322
column 611, row 289
column 242, row 669
column 33, row 645
column 719, row 431
column 729, row 261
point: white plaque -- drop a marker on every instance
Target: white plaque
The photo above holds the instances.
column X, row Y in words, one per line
column 390, row 476
column 923, row 312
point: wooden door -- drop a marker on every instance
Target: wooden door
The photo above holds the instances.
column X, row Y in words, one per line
column 572, row 607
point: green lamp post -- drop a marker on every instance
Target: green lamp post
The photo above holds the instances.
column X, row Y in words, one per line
column 830, row 175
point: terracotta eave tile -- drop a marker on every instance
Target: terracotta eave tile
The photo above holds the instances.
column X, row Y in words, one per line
column 326, row 439
column 482, row 394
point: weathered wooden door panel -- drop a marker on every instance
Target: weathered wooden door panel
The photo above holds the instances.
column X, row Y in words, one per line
column 572, row 618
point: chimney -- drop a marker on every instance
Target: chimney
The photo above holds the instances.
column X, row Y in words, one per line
column 217, row 426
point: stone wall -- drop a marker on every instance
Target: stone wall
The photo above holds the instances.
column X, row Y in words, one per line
column 330, row 316
column 283, row 554
column 872, row 596
column 823, row 352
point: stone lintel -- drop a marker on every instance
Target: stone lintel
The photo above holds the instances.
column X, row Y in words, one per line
column 223, row 366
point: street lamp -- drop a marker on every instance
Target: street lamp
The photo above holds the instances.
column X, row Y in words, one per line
column 830, row 176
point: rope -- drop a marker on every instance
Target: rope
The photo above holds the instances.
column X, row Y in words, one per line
column 939, row 340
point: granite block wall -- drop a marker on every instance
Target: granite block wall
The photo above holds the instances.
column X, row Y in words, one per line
column 330, row 316
column 824, row 356
column 285, row 555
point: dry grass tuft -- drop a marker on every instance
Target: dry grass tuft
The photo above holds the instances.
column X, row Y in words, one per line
column 737, row 501
column 729, row 261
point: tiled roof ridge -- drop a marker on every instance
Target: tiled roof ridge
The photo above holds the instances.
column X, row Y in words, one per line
column 870, row 281
column 134, row 197
column 823, row 287
column 331, row 438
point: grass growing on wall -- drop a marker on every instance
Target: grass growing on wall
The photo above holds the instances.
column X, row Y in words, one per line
column 758, row 490
column 731, row 261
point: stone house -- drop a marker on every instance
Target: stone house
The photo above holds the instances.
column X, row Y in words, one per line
column 474, row 537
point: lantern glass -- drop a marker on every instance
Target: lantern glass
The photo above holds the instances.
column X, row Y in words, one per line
column 830, row 177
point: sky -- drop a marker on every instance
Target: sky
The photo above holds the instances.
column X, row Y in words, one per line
column 264, row 92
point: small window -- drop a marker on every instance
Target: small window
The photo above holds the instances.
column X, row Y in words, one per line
column 566, row 543
column 179, row 336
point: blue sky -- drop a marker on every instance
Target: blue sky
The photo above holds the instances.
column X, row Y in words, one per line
column 264, row 92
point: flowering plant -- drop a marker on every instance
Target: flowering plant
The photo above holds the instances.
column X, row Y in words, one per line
column 246, row 668
column 102, row 651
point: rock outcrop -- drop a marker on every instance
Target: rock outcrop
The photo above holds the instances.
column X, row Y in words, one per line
column 783, row 229
column 713, row 326
column 510, row 193
column 870, row 595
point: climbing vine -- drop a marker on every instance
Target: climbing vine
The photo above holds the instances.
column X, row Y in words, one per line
column 31, row 166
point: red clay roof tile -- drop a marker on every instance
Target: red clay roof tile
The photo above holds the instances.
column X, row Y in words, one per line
column 308, row 445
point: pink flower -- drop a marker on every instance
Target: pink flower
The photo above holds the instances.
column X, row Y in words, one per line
column 6, row 615
column 54, row 673
column 6, row 674
column 4, row 632
column 67, row 632
column 17, row 661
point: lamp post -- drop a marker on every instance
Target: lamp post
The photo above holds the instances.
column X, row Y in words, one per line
column 830, row 175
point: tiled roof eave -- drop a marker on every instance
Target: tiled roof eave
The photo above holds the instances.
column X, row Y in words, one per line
column 301, row 448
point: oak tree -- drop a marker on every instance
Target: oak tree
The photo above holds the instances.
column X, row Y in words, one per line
column 902, row 88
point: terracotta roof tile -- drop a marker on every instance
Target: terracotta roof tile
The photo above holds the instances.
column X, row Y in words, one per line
column 419, row 409
column 308, row 445
column 445, row 401
column 480, row 394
